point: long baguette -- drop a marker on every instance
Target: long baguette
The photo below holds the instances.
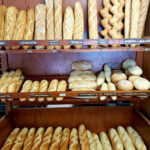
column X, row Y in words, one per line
column 97, row 142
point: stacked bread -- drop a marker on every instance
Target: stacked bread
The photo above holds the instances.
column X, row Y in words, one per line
column 74, row 139
column 43, row 86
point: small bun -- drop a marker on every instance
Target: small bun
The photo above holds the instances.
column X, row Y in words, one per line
column 141, row 84
column 128, row 63
column 118, row 76
column 125, row 85
column 135, row 70
column 132, row 78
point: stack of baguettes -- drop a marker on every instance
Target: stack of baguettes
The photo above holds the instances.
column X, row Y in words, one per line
column 74, row 139
column 82, row 78
column 10, row 82
column 43, row 86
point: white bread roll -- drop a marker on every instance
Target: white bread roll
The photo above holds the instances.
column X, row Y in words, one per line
column 128, row 63
column 104, row 87
column 132, row 78
column 74, row 141
column 100, row 78
column 141, row 84
column 107, row 71
column 125, row 85
column 118, row 76
column 112, row 87
column 135, row 70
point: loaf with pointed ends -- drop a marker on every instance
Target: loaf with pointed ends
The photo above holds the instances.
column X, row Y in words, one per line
column 18, row 143
column 38, row 139
column 125, row 85
column 10, row 140
column 104, row 87
column 115, row 139
column 112, row 87
column 58, row 20
column 50, row 21
column 100, row 78
column 29, row 139
column 132, row 78
column 12, row 73
column 83, row 137
column 43, row 88
column 20, row 27
column 91, row 141
column 29, row 27
column 78, row 73
column 73, row 142
column 136, row 139
column 105, row 141
column 107, row 72
column 68, row 25
column 135, row 70
column 78, row 23
column 118, row 76
column 125, row 138
column 65, row 139
column 128, row 63
column 40, row 23
column 62, row 86
column 56, row 139
column 92, row 20
column 97, row 142
column 47, row 138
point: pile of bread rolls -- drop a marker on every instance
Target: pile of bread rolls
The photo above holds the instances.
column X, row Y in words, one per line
column 66, row 139
column 43, row 86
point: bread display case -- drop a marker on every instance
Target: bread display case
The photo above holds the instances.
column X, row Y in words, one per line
column 84, row 57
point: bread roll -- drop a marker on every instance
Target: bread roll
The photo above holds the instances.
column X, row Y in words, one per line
column 73, row 142
column 83, row 137
column 29, row 27
column 43, row 88
column 29, row 139
column 65, row 139
column 78, row 73
column 141, row 84
column 58, row 21
column 100, row 78
column 79, row 23
column 26, row 88
column 105, row 141
column 38, row 139
column 104, row 87
column 40, row 23
column 50, row 21
column 125, row 85
column 115, row 139
column 136, row 139
column 10, row 140
column 10, row 22
column 34, row 88
column 128, row 63
column 47, row 138
column 92, row 20
column 56, row 139
column 18, row 72
column 132, row 78
column 97, row 142
column 20, row 27
column 118, row 76
column 68, row 25
column 62, row 86
column 107, row 71
column 12, row 73
column 128, row 145
column 82, row 65
column 112, row 87
column 18, row 143
column 135, row 70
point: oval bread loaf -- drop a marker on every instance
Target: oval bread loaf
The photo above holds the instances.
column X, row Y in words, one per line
column 118, row 76
column 100, row 78
column 128, row 63
column 135, row 70
column 125, row 85
column 132, row 78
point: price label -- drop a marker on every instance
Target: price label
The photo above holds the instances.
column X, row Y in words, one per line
column 2, row 43
column 4, row 96
column 75, row 42
column 2, row 51
column 53, row 42
column 135, row 94
column 62, row 94
column 29, row 51
column 109, row 94
column 88, row 94
column 102, row 42
column 40, row 95
column 136, row 41
column 28, row 42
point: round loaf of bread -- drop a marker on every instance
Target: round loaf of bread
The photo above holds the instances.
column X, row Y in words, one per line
column 128, row 63
column 125, row 85
column 141, row 84
column 135, row 70
column 118, row 76
column 132, row 78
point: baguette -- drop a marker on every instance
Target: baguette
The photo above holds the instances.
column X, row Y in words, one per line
column 58, row 21
column 107, row 71
column 18, row 72
column 12, row 73
column 29, row 139
column 29, row 28
column 112, row 87
column 83, row 137
column 65, row 139
column 79, row 23
column 100, row 78
column 97, row 142
column 19, row 85
column 73, row 143
column 104, row 87
column 38, row 139
column 56, row 139
column 18, row 143
column 47, row 138
column 52, row 88
column 91, row 141
column 10, row 140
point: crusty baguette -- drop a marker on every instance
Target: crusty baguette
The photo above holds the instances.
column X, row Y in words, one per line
column 65, row 139
column 38, row 139
column 47, row 138
column 73, row 143
column 107, row 71
column 97, row 142
column 29, row 28
column 83, row 137
column 79, row 23
column 100, row 78
column 18, row 143
column 112, row 87
column 104, row 87
column 56, row 139
column 12, row 73
column 10, row 140
column 29, row 139
column 91, row 141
